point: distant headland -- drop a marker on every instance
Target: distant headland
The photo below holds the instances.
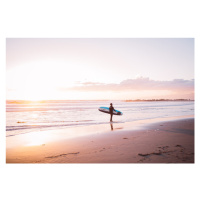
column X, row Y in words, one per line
column 138, row 100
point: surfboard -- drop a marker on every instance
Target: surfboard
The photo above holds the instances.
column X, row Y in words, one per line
column 106, row 110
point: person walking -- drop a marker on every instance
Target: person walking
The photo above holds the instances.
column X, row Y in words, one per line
column 111, row 109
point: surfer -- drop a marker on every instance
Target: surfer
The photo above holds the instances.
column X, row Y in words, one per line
column 111, row 108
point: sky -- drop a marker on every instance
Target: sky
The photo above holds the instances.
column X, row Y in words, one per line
column 106, row 68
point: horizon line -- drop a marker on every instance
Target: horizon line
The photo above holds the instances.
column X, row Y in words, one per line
column 150, row 99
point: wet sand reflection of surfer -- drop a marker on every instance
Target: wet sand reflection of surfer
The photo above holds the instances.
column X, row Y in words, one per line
column 111, row 126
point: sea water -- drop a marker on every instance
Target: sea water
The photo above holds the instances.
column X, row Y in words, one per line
column 23, row 117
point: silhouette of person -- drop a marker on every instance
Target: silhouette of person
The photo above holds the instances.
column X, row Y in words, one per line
column 111, row 108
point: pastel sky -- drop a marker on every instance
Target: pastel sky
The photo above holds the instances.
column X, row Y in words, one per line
column 116, row 69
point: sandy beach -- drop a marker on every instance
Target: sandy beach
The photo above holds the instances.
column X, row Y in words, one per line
column 148, row 141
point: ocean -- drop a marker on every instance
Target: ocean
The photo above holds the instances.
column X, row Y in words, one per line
column 24, row 117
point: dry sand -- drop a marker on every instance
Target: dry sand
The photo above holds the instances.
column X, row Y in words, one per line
column 141, row 142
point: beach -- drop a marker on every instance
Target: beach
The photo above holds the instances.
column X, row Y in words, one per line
column 161, row 140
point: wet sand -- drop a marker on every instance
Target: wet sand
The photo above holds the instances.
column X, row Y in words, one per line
column 152, row 141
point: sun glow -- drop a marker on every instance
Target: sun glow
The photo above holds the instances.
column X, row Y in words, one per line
column 43, row 80
column 37, row 81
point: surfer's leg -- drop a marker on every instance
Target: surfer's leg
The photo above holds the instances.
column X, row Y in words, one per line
column 111, row 117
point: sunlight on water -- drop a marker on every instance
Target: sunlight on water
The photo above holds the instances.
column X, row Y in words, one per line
column 23, row 117
column 37, row 139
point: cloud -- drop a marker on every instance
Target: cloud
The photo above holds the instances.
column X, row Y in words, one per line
column 138, row 84
column 147, row 84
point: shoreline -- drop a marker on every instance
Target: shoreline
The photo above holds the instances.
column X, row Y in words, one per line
column 164, row 140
